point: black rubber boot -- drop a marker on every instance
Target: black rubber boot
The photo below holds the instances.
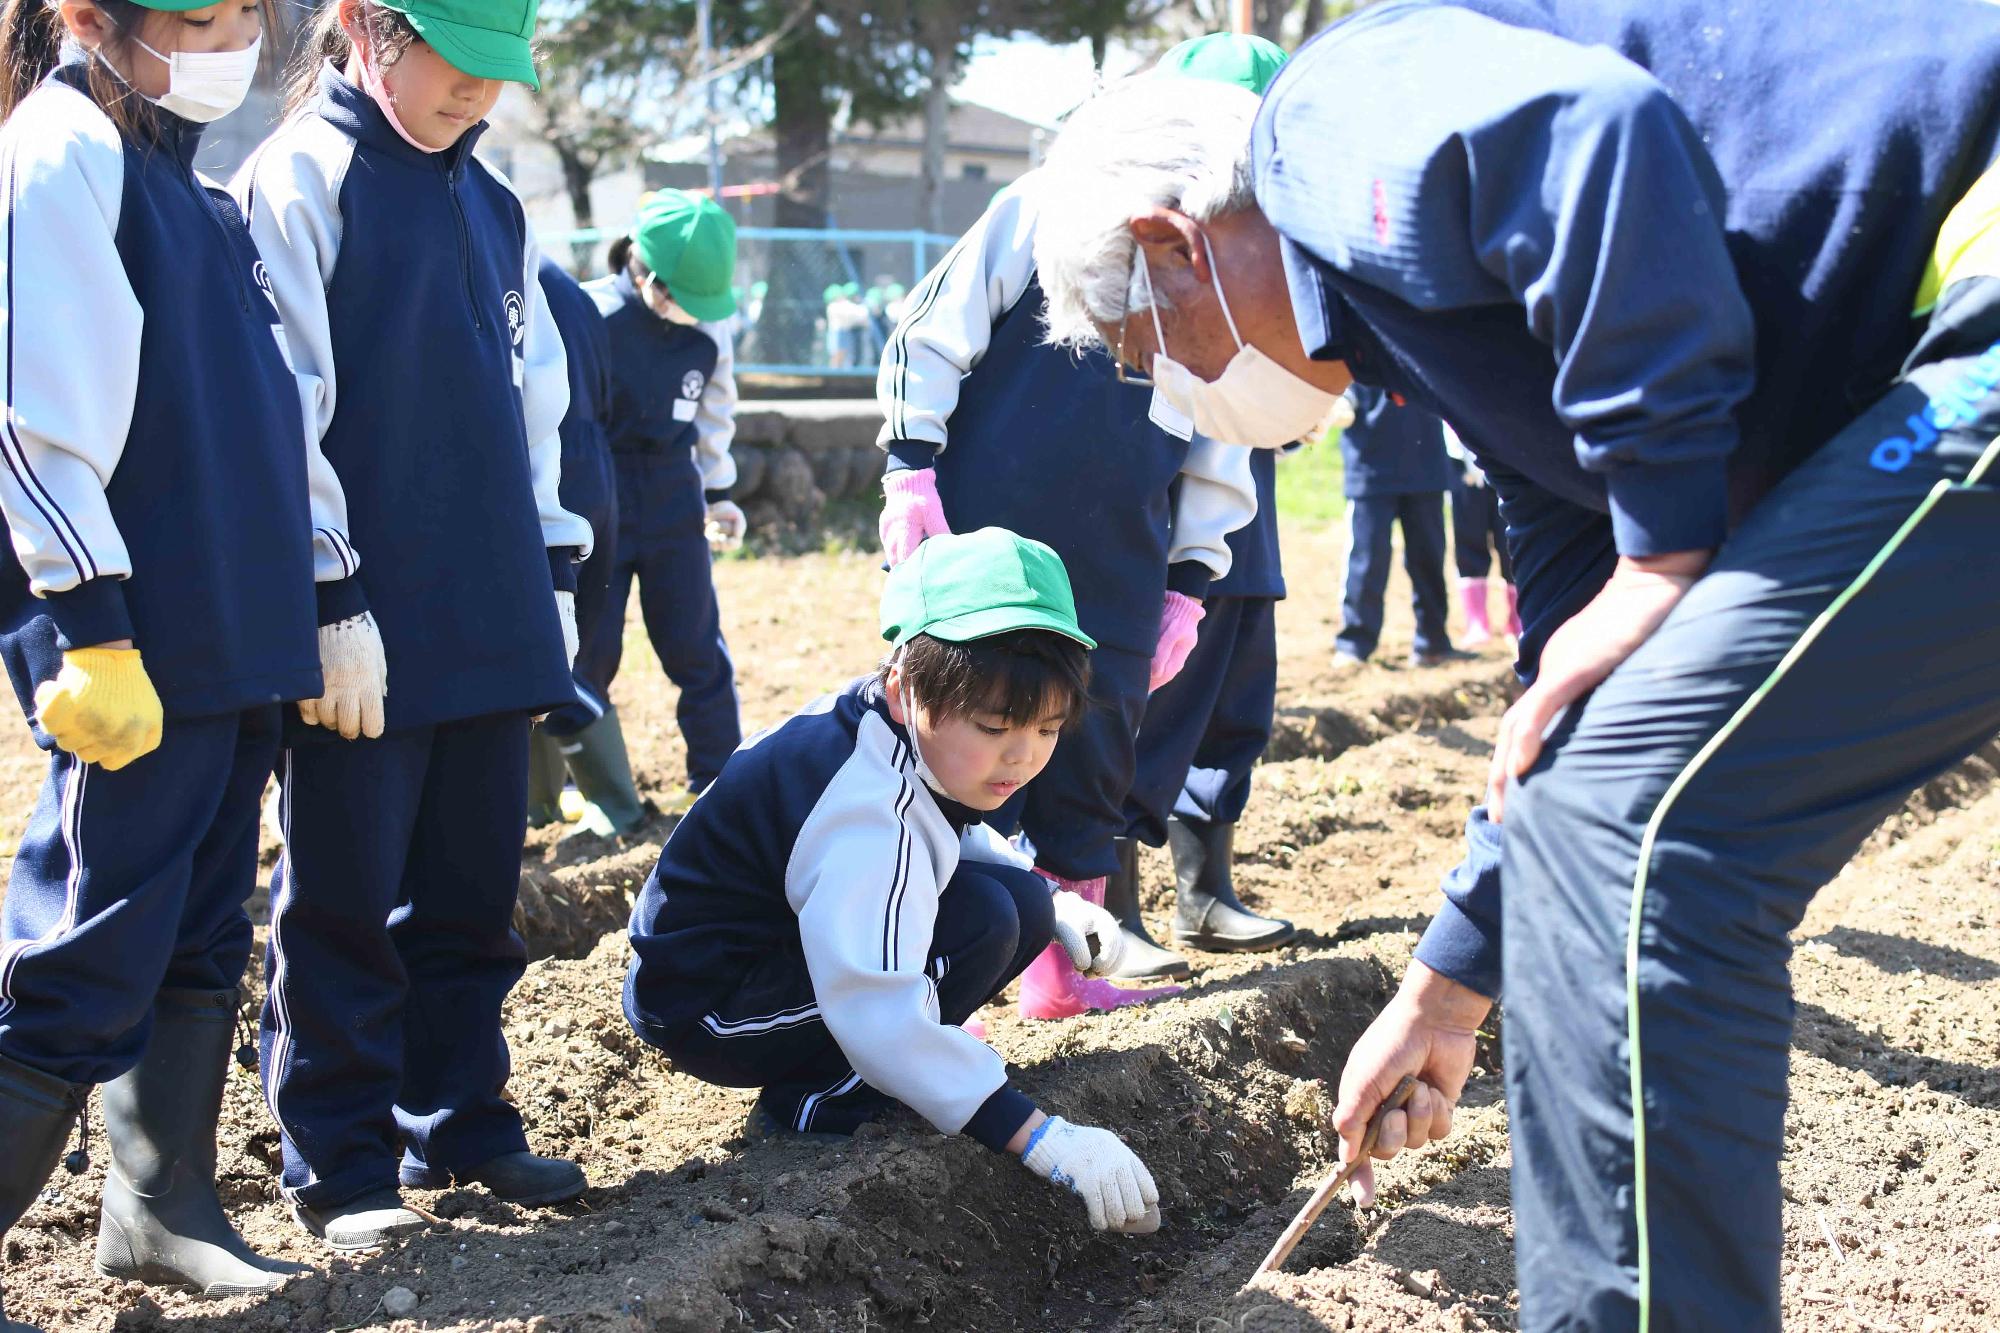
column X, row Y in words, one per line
column 161, row 1221
column 546, row 772
column 36, row 1112
column 603, row 772
column 1143, row 958
column 1207, row 914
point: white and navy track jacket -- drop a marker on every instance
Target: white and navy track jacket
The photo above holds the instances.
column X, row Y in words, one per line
column 154, row 485
column 435, row 388
column 1048, row 443
column 673, row 386
column 820, row 842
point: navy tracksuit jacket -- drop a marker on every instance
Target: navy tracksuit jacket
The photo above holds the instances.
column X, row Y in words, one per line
column 812, row 929
column 589, row 488
column 660, row 373
column 1205, row 729
column 141, row 348
column 1395, row 472
column 409, row 283
column 1697, row 230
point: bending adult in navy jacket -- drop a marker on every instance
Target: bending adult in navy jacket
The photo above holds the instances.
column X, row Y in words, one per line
column 408, row 278
column 1659, row 262
column 155, row 609
column 1395, row 473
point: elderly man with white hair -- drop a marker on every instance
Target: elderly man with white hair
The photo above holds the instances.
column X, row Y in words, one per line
column 1712, row 292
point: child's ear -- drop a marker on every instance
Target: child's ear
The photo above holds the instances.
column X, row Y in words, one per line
column 892, row 685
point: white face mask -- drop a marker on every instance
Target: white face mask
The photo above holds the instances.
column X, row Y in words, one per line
column 664, row 305
column 1255, row 401
column 207, row 85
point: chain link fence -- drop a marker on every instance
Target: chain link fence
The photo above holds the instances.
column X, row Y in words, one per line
column 811, row 302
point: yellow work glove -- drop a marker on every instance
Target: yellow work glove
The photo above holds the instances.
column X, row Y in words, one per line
column 101, row 706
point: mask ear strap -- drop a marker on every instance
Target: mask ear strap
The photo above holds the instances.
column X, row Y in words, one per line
column 1152, row 306
column 1220, row 299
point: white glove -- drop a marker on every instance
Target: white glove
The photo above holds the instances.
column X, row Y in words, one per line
column 356, row 677
column 1079, row 924
column 726, row 525
column 566, row 612
column 1096, row 1166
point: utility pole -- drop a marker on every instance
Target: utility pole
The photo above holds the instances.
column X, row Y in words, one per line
column 706, row 21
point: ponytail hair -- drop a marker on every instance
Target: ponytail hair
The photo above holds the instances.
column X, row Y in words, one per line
column 31, row 37
column 326, row 40
column 618, row 255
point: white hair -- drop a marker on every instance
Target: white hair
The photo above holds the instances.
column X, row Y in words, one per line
column 1149, row 141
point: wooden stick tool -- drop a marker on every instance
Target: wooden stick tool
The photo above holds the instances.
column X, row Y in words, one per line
column 1324, row 1194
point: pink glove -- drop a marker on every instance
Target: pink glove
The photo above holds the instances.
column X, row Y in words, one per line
column 911, row 511
column 1177, row 621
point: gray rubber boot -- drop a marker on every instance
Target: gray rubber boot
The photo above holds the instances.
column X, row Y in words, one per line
column 161, row 1221
column 1207, row 914
column 603, row 772
column 1143, row 959
column 36, row 1112
column 546, row 772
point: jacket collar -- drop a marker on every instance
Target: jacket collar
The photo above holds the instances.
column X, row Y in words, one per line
column 179, row 138
column 349, row 109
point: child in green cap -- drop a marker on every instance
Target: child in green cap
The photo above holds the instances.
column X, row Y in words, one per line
column 832, row 908
column 435, row 384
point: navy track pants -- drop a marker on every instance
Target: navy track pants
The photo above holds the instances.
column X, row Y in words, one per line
column 392, row 949
column 1370, row 520
column 129, row 882
column 1075, row 809
column 1205, row 729
column 1843, row 648
column 992, row 921
column 661, row 547
column 1477, row 534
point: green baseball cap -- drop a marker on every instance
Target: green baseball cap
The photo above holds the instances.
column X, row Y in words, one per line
column 1227, row 57
column 488, row 39
column 971, row 585
column 689, row 241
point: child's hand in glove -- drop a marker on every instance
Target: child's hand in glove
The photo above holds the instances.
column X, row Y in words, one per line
column 1088, row 933
column 1178, row 618
column 101, row 707
column 911, row 511
column 1096, row 1166
column 356, row 679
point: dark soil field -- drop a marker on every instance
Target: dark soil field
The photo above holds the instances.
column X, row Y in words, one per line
column 1892, row 1178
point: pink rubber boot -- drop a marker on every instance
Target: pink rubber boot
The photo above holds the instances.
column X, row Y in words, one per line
column 1514, row 612
column 1052, row 988
column 1472, row 596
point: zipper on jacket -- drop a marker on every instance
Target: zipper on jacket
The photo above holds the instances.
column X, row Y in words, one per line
column 207, row 206
column 464, row 246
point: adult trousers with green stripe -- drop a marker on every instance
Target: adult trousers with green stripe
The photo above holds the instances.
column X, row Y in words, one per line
column 1843, row 649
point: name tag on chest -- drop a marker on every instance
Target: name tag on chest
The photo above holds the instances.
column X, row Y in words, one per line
column 684, row 409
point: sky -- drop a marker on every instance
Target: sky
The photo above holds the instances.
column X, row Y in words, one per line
column 1032, row 79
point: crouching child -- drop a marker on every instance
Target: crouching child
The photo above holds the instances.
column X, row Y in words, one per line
column 813, row 929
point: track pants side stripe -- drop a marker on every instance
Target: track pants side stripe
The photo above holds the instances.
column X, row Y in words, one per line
column 1660, row 812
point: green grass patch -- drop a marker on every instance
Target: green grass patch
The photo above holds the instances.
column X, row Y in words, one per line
column 1309, row 483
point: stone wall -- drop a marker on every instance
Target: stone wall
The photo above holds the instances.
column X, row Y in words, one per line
column 794, row 456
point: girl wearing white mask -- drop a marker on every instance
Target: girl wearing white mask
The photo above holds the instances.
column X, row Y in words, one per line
column 149, row 643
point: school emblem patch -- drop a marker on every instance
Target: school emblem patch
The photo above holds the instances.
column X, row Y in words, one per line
column 262, row 277
column 517, row 318
column 691, row 384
